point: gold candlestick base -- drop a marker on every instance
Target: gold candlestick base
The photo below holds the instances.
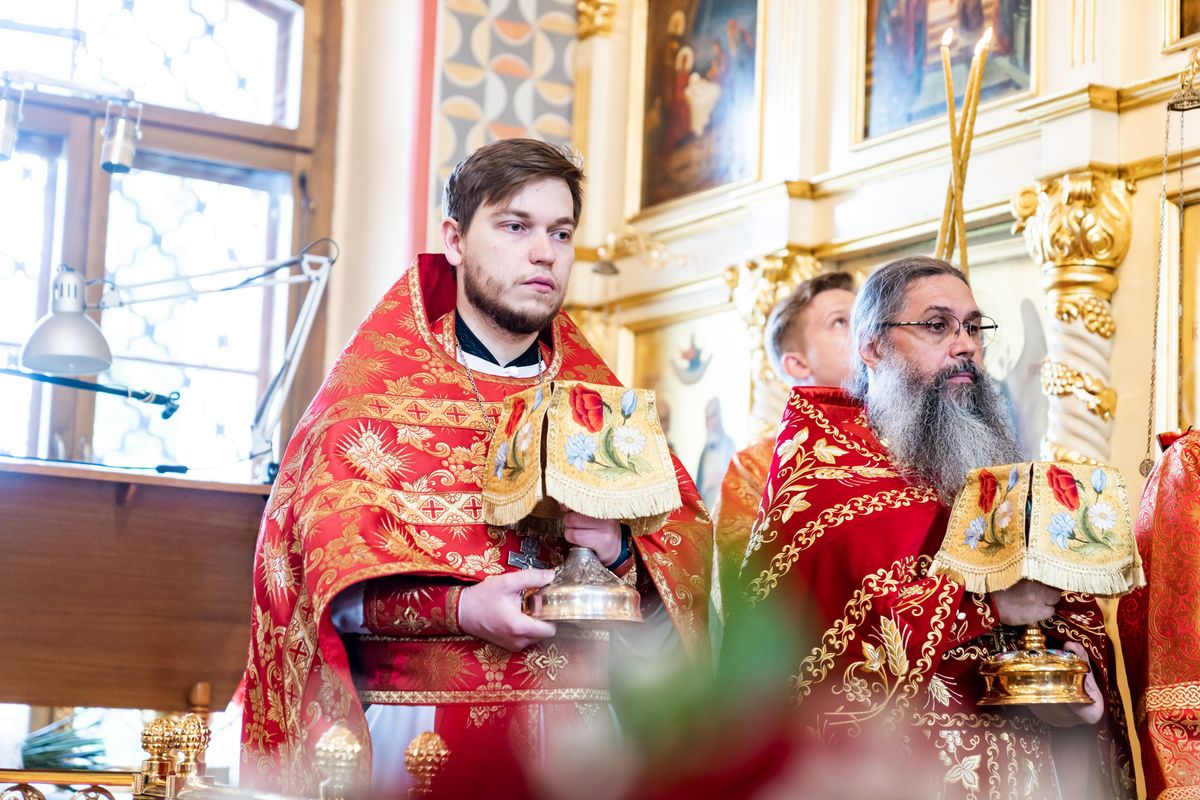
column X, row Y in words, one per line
column 584, row 591
column 1034, row 674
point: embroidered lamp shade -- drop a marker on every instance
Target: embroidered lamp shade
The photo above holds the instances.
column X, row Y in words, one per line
column 600, row 450
column 1066, row 525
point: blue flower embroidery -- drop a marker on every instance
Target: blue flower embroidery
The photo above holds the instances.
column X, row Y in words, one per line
column 628, row 402
column 1062, row 528
column 1099, row 480
column 501, row 458
column 580, row 450
column 974, row 533
column 1013, row 477
column 537, row 399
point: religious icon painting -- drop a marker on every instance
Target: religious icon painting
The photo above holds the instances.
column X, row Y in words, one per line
column 899, row 65
column 696, row 88
column 1181, row 24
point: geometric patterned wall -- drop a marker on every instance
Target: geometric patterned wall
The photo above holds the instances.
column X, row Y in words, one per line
column 505, row 71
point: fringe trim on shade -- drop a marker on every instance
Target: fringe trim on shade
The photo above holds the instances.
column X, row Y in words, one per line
column 509, row 509
column 649, row 501
column 977, row 579
column 1112, row 580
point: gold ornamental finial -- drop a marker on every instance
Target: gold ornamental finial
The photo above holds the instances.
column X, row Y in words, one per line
column 424, row 759
column 190, row 738
column 157, row 737
column 338, row 752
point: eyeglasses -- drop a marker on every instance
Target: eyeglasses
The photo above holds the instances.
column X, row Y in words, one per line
column 943, row 327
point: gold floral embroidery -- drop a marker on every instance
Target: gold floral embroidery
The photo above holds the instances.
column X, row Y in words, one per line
column 367, row 453
column 439, row 666
column 544, row 662
column 355, row 370
column 277, row 571
column 782, row 562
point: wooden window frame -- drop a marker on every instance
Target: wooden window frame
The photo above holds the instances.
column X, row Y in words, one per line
column 306, row 153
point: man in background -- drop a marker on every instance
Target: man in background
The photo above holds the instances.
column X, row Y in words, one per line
column 807, row 339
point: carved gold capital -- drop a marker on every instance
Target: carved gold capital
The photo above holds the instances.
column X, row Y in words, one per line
column 1061, row 380
column 1078, row 227
column 595, row 17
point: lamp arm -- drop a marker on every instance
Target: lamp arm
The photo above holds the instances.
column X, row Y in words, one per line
column 270, row 405
column 169, row 402
column 314, row 271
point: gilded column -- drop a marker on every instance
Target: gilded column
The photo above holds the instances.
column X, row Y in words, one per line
column 755, row 287
column 1078, row 227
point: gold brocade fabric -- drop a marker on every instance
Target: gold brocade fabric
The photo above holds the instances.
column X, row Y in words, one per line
column 1080, row 532
column 605, row 455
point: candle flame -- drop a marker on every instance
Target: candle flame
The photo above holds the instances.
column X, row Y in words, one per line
column 948, row 37
column 984, row 42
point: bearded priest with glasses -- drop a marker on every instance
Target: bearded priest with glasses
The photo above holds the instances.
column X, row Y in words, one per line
column 857, row 503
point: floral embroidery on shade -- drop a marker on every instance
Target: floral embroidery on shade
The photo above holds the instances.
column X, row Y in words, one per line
column 1087, row 529
column 628, row 440
column 987, row 491
column 628, row 403
column 514, row 421
column 1062, row 529
column 1062, row 483
column 581, row 449
column 587, row 408
column 974, row 532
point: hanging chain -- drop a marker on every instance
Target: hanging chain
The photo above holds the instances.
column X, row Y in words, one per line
column 1148, row 458
column 479, row 397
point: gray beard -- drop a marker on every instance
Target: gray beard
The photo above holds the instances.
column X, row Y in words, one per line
column 938, row 431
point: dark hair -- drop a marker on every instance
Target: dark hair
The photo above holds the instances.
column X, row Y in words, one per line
column 881, row 297
column 785, row 317
column 496, row 172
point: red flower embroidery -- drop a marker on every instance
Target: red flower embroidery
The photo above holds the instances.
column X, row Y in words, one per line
column 1063, row 485
column 987, row 491
column 514, row 421
column 587, row 408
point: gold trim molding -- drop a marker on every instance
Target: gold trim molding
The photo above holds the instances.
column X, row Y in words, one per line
column 1094, row 96
column 595, row 18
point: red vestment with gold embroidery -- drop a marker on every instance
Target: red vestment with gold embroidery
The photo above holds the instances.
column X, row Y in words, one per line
column 1160, row 625
column 381, row 483
column 842, row 544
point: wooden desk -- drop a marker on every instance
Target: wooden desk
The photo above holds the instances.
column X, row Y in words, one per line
column 122, row 589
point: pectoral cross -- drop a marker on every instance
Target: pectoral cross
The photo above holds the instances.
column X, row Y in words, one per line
column 527, row 558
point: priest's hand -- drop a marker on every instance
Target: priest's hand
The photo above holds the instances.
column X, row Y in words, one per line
column 1066, row 715
column 601, row 535
column 491, row 609
column 1025, row 603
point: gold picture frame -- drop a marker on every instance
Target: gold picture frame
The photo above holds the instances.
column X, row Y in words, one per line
column 636, row 205
column 859, row 105
column 1174, row 37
